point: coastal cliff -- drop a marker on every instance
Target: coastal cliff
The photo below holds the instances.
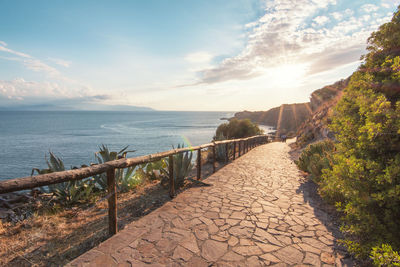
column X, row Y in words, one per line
column 322, row 101
column 302, row 118
column 285, row 118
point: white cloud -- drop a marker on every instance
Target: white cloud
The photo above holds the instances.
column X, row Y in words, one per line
column 19, row 89
column 199, row 57
column 275, row 40
column 337, row 15
column 35, row 64
column 39, row 66
column 47, row 91
column 369, row 8
column 60, row 62
column 7, row 50
column 385, row 5
column 321, row 20
column 349, row 12
column 54, row 86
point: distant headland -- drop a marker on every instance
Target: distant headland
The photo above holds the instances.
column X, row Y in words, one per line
column 88, row 107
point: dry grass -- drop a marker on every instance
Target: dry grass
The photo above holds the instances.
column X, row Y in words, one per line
column 55, row 238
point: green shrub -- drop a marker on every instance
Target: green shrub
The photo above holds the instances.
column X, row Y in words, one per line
column 366, row 169
column 237, row 129
column 151, row 170
column 182, row 166
column 385, row 256
column 220, row 150
column 70, row 192
column 125, row 178
column 315, row 158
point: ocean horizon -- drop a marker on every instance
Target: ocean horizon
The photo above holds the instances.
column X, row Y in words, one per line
column 74, row 136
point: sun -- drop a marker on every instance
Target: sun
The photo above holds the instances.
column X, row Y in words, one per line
column 288, row 75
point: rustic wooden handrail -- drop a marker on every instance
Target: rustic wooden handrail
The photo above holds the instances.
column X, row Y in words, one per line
column 18, row 184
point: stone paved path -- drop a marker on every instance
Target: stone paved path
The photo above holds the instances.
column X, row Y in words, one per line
column 254, row 214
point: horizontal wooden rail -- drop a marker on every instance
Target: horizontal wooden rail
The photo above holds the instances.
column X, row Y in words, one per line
column 29, row 182
column 109, row 167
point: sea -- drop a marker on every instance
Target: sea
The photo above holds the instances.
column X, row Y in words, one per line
column 27, row 137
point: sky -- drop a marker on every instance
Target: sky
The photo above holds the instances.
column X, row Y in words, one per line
column 209, row 55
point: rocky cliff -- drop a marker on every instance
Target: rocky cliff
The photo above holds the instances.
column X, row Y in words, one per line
column 306, row 119
column 322, row 101
column 285, row 118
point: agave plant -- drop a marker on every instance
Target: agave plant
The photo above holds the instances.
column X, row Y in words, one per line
column 151, row 170
column 182, row 166
column 126, row 178
column 220, row 150
column 67, row 192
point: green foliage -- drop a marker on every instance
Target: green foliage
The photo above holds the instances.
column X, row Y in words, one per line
column 125, row 178
column 237, row 129
column 220, row 150
column 182, row 166
column 315, row 158
column 366, row 166
column 151, row 170
column 70, row 192
column 385, row 256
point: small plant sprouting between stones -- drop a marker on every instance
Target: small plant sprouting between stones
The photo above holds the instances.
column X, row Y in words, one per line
column 67, row 192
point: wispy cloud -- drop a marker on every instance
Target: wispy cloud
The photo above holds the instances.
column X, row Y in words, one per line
column 55, row 85
column 370, row 7
column 8, row 50
column 30, row 62
column 20, row 89
column 60, row 62
column 290, row 32
column 337, row 15
column 321, row 20
column 199, row 57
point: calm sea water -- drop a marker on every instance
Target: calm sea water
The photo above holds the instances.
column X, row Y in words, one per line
column 27, row 136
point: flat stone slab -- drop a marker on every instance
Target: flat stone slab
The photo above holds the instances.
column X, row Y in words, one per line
column 254, row 214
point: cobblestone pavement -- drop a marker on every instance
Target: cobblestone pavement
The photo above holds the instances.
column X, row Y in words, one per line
column 254, row 214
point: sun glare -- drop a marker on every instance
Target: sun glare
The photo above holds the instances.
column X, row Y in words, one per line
column 286, row 76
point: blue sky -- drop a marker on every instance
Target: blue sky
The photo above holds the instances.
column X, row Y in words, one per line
column 180, row 55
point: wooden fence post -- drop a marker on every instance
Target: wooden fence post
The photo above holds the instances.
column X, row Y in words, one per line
column 198, row 164
column 171, row 176
column 227, row 152
column 214, row 157
column 112, row 202
column 234, row 150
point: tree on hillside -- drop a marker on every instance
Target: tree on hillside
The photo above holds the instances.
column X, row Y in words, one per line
column 236, row 129
column 365, row 178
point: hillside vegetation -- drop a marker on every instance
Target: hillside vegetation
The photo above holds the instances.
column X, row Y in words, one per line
column 236, row 129
column 361, row 173
column 286, row 118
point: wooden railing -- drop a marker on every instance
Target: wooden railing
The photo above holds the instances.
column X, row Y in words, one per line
column 242, row 145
